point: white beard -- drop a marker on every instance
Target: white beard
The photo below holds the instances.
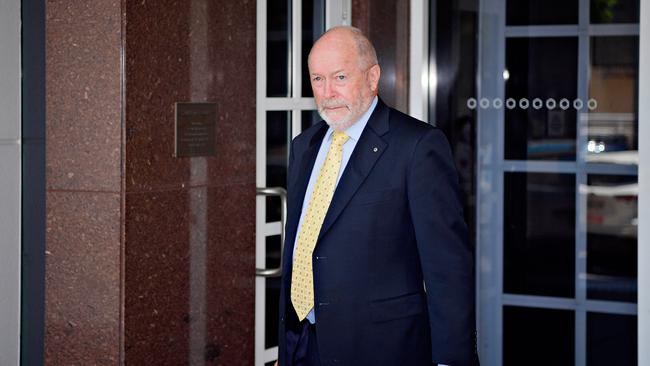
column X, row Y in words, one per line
column 340, row 125
column 344, row 122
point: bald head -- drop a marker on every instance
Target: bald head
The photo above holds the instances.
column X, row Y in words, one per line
column 348, row 36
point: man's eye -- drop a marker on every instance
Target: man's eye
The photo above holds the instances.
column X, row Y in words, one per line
column 341, row 77
column 317, row 78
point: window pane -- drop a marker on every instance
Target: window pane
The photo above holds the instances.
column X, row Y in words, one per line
column 272, row 292
column 611, row 339
column 272, row 312
column 539, row 237
column 278, row 136
column 541, row 70
column 538, row 12
column 278, row 48
column 538, row 337
column 612, row 237
column 313, row 25
column 310, row 118
column 613, row 85
column 617, row 11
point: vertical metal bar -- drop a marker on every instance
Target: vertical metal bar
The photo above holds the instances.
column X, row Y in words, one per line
column 432, row 67
column 498, row 179
column 295, row 124
column 644, row 187
column 10, row 182
column 296, row 63
column 582, row 120
column 260, row 178
column 419, row 51
column 296, row 48
column 337, row 12
column 489, row 157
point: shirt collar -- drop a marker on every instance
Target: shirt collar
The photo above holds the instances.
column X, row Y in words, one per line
column 354, row 131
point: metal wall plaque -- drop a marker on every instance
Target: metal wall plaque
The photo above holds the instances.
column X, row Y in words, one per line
column 195, row 129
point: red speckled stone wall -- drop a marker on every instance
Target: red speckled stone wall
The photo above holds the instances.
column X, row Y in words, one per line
column 83, row 183
column 190, row 223
column 150, row 257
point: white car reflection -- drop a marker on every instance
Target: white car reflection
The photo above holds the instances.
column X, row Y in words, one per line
column 612, row 210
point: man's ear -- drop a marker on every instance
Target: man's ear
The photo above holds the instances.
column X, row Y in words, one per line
column 373, row 77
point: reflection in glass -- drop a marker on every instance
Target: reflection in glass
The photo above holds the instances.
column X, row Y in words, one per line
column 614, row 11
column 611, row 339
column 388, row 30
column 313, row 25
column 310, row 118
column 541, row 12
column 613, row 83
column 455, row 57
column 278, row 136
column 541, row 68
column 539, row 234
column 534, row 336
column 278, row 48
column 272, row 292
column 611, row 237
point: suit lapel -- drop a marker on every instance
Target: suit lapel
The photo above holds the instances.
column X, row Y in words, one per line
column 366, row 153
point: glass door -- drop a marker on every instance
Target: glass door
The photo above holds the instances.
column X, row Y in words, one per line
column 557, row 189
column 286, row 30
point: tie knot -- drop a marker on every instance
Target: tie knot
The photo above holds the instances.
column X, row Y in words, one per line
column 340, row 138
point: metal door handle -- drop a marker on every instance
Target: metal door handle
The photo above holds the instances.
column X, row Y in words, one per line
column 282, row 193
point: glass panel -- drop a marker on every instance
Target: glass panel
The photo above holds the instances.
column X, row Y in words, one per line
column 538, row 12
column 272, row 292
column 613, row 86
column 537, row 336
column 278, row 136
column 313, row 25
column 278, row 48
column 612, row 237
column 543, row 71
column 611, row 339
column 454, row 47
column 310, row 118
column 614, row 11
column 273, row 249
column 387, row 25
column 539, row 237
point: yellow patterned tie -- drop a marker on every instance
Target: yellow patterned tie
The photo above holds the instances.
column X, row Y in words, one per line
column 302, row 278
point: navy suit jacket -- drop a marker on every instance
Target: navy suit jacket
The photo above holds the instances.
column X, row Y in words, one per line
column 394, row 227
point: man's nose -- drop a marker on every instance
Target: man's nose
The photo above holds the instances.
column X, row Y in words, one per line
column 328, row 90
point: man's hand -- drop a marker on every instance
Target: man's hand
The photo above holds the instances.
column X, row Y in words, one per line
column 276, row 363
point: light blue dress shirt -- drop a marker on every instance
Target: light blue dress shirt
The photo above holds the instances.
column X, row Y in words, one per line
column 354, row 132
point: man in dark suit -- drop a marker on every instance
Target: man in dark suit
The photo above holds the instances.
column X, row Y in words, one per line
column 377, row 268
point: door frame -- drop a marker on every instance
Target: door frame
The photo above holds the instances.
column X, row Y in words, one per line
column 644, row 186
column 10, row 181
column 337, row 12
